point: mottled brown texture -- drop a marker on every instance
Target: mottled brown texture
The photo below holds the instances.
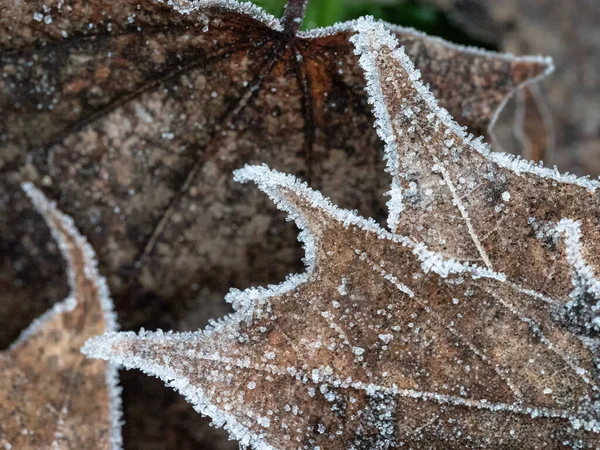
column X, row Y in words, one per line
column 569, row 32
column 135, row 116
column 449, row 187
column 51, row 396
column 470, row 328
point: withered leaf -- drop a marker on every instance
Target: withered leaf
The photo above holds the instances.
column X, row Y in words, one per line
column 431, row 336
column 51, row 396
column 132, row 116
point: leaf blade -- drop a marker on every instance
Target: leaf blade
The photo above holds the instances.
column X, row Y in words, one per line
column 50, row 394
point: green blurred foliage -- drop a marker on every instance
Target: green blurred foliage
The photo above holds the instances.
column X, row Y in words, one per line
column 408, row 13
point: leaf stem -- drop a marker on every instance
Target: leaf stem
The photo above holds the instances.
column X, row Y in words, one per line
column 293, row 16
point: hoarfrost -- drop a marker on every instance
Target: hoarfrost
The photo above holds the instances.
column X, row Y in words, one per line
column 358, row 351
column 194, row 6
column 473, row 351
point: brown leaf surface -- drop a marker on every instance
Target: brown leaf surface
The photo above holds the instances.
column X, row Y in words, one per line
column 133, row 115
column 50, row 395
column 476, row 325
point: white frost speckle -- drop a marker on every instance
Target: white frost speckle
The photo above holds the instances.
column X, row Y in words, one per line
column 264, row 421
column 358, row 351
column 386, row 338
column 342, row 287
column 505, row 196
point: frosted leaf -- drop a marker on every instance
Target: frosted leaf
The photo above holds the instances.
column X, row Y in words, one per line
column 465, row 201
column 46, row 386
column 476, row 356
column 446, row 362
column 85, row 101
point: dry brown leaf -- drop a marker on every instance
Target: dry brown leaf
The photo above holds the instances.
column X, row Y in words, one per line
column 475, row 324
column 132, row 115
column 51, row 396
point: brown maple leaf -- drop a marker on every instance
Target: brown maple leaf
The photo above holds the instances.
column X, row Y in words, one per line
column 50, row 395
column 474, row 324
column 132, row 115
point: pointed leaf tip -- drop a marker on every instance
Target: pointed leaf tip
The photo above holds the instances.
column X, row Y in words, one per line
column 290, row 195
column 308, row 208
column 46, row 387
column 109, row 347
column 85, row 280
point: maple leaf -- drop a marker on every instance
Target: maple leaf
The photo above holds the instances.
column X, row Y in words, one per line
column 132, row 115
column 431, row 335
column 50, row 395
column 565, row 31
